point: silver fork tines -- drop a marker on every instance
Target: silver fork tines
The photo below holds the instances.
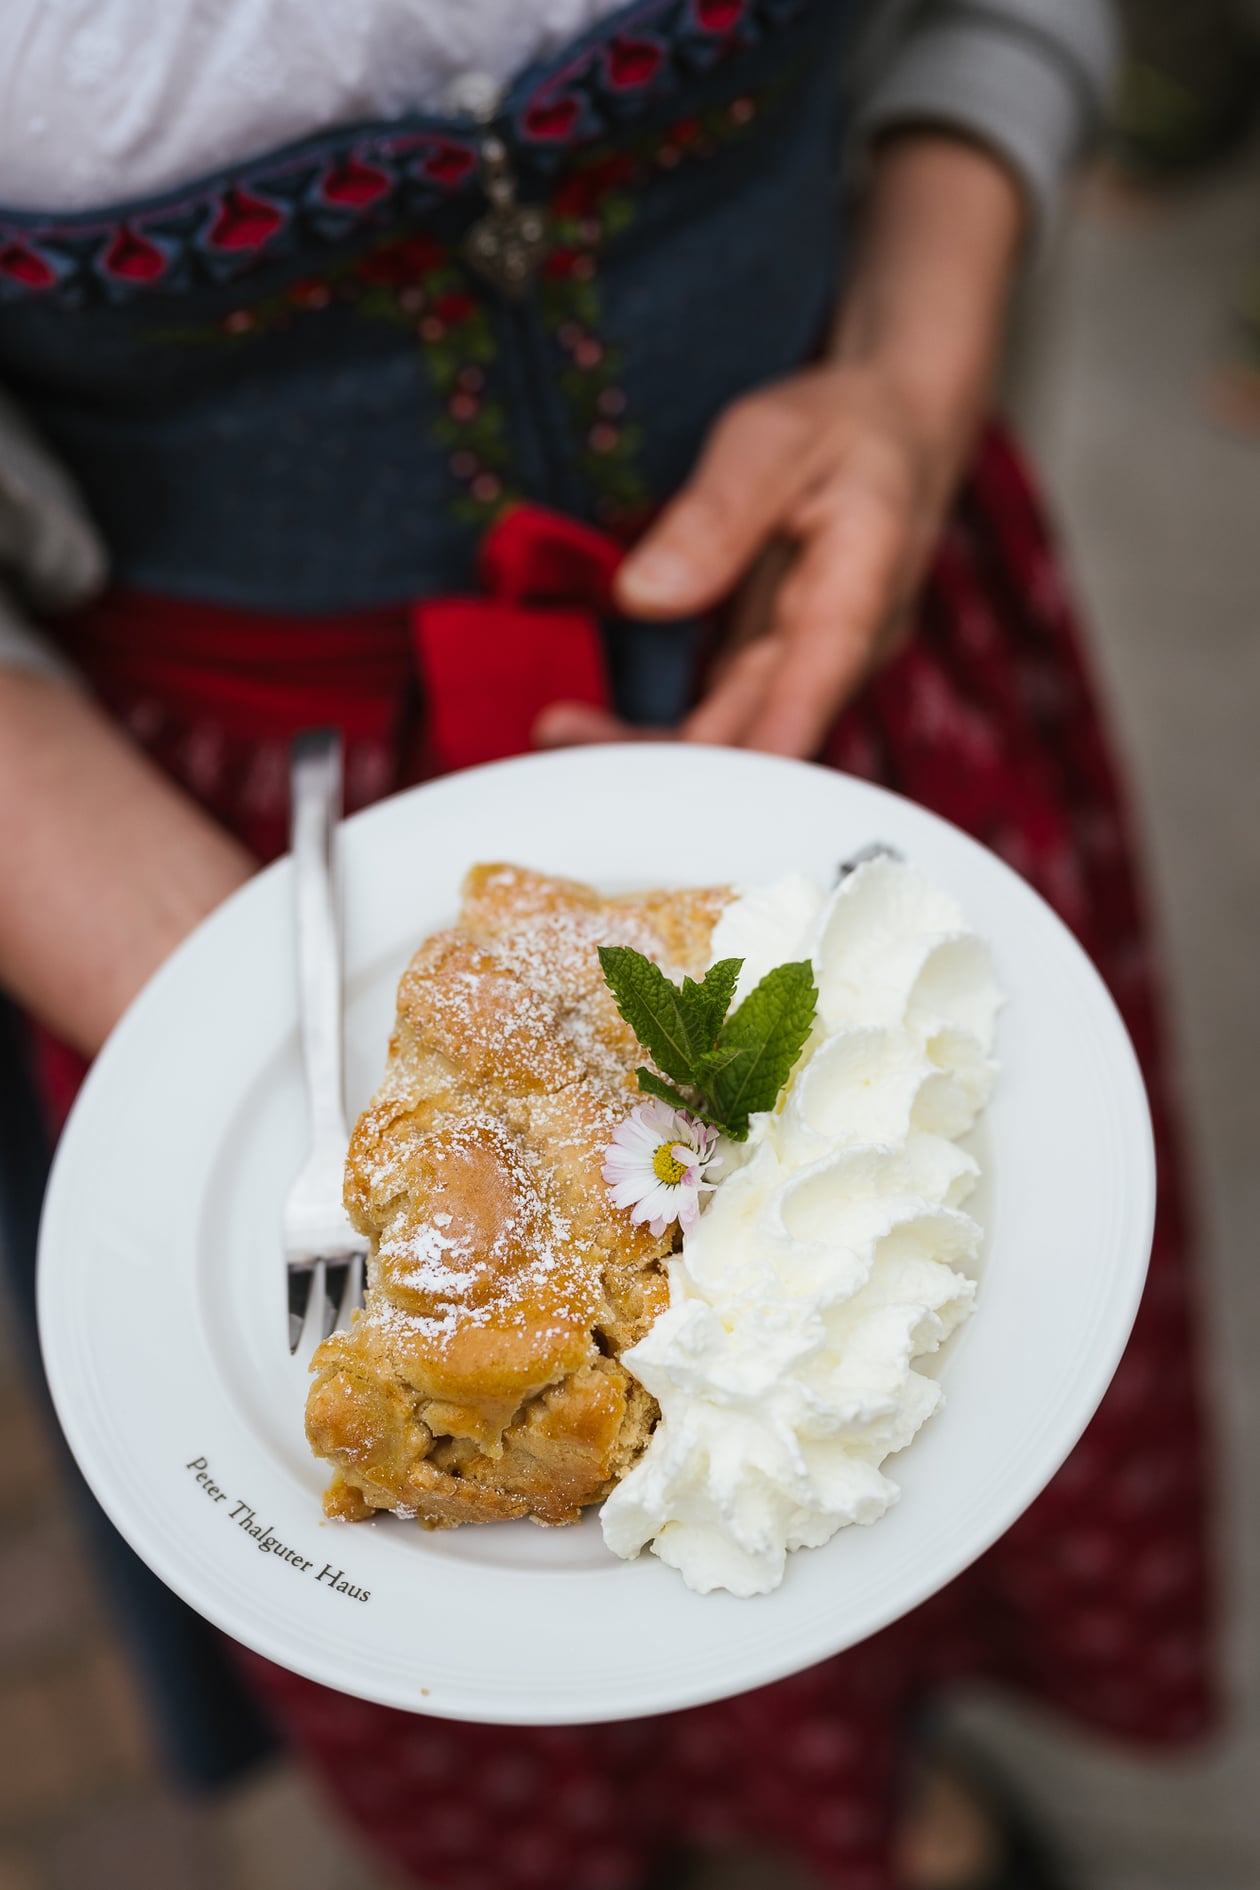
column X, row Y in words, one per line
column 335, row 1286
column 323, row 1253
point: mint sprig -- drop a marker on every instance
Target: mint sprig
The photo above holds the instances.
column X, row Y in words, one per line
column 652, row 1083
column 675, row 1027
column 724, row 1067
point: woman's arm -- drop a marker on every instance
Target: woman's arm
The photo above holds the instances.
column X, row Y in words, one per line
column 104, row 866
column 1029, row 79
column 824, row 493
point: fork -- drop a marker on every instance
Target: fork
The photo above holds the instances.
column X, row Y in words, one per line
column 874, row 850
column 324, row 1256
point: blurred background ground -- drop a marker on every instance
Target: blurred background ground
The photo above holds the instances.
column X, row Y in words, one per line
column 1160, row 503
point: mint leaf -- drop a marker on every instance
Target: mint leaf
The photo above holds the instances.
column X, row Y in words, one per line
column 709, row 1002
column 758, row 1045
column 711, row 1065
column 666, row 1091
column 737, row 1064
column 673, row 1029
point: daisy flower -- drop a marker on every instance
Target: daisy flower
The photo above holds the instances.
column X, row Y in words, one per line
column 656, row 1164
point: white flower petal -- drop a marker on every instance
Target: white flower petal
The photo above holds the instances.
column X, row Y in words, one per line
column 628, row 1194
column 626, row 1162
column 635, row 1135
column 657, row 1203
column 688, row 1209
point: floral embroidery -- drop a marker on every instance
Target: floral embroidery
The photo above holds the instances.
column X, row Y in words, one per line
column 410, row 282
column 587, row 211
column 593, row 205
column 422, row 284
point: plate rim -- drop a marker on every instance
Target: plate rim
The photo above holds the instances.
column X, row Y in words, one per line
column 1058, row 1434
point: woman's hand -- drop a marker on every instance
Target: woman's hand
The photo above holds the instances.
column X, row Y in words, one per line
column 828, row 492
column 104, row 865
column 818, row 500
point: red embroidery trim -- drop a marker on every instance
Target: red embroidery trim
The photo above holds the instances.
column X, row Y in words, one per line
column 633, row 62
column 134, row 257
column 353, row 182
column 719, row 16
column 553, row 122
column 23, row 265
column 244, row 222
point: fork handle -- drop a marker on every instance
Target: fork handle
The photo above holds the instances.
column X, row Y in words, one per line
column 315, row 781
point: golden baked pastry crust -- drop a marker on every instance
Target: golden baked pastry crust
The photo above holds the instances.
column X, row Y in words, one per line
column 482, row 1380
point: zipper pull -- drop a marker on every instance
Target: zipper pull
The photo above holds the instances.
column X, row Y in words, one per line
column 507, row 244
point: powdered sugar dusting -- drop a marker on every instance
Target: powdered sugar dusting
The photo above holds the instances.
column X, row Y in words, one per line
column 481, row 1380
column 511, row 1254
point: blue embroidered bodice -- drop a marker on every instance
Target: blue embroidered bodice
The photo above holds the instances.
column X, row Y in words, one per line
column 309, row 385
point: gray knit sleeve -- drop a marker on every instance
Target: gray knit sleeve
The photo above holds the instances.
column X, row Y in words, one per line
column 1030, row 78
column 51, row 555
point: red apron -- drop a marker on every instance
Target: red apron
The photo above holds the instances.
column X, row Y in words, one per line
column 1099, row 1600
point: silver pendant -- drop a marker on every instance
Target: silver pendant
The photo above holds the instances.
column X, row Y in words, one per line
column 507, row 245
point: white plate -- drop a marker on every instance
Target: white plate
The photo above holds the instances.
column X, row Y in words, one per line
column 162, row 1297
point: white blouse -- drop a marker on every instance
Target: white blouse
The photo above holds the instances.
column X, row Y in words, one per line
column 106, row 100
column 102, row 101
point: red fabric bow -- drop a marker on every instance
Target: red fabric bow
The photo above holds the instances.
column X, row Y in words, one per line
column 491, row 664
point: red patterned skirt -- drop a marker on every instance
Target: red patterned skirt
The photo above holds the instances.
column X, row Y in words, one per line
column 1099, row 1601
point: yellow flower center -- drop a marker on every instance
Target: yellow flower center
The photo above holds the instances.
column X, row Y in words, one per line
column 667, row 1167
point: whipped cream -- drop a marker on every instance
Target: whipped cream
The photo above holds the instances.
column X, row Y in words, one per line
column 834, row 1252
